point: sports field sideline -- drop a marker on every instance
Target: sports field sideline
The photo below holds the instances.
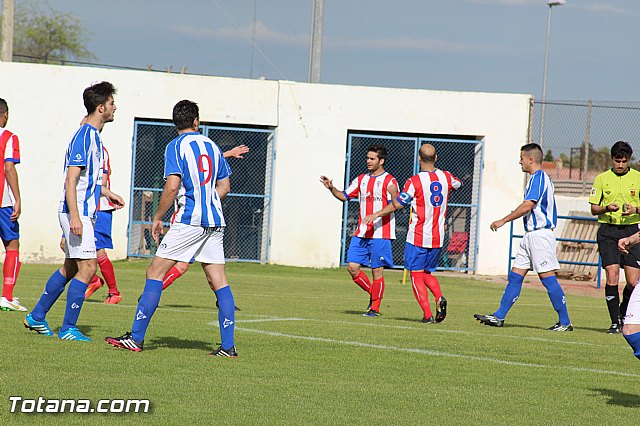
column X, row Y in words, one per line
column 307, row 356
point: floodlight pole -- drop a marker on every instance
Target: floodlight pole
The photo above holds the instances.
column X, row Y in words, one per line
column 315, row 56
column 550, row 3
column 253, row 36
column 7, row 30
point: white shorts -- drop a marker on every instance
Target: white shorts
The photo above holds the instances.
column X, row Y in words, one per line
column 185, row 242
column 633, row 309
column 75, row 247
column 537, row 252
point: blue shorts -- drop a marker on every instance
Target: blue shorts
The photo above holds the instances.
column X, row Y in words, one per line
column 373, row 252
column 420, row 258
column 9, row 230
column 102, row 230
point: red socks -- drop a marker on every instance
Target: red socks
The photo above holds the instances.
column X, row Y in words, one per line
column 432, row 283
column 106, row 267
column 11, row 269
column 420, row 292
column 172, row 275
column 363, row 281
column 377, row 290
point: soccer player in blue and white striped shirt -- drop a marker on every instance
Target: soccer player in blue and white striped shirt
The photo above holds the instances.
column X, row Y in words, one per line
column 197, row 175
column 538, row 246
column 77, row 214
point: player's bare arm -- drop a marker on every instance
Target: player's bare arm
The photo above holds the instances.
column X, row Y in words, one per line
column 525, row 207
column 236, row 152
column 393, row 191
column 624, row 244
column 11, row 176
column 328, row 183
column 386, row 210
column 171, row 187
column 70, row 183
column 223, row 187
column 117, row 200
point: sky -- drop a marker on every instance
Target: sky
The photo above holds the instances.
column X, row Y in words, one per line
column 460, row 45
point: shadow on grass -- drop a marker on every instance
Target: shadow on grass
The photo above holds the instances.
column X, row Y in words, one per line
column 619, row 398
column 348, row 312
column 177, row 343
column 405, row 319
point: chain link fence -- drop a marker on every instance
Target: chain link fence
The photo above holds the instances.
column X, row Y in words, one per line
column 462, row 157
column 576, row 137
column 246, row 208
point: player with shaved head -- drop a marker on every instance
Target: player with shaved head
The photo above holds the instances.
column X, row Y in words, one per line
column 538, row 246
column 428, row 193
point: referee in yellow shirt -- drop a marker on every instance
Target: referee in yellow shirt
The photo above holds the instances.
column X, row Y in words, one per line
column 614, row 199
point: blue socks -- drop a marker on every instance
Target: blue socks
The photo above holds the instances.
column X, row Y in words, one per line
column 146, row 307
column 557, row 298
column 510, row 295
column 226, row 316
column 634, row 341
column 75, row 299
column 52, row 290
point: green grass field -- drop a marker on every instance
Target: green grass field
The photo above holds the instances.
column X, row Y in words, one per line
column 307, row 356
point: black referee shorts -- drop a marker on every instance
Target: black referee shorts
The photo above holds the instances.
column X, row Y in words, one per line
column 608, row 237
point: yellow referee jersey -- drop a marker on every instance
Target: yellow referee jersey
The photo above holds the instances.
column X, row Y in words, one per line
column 609, row 188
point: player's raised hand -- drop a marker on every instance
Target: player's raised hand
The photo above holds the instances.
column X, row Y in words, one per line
column 156, row 230
column 328, row 183
column 236, row 152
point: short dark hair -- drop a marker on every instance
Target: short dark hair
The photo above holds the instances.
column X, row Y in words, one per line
column 534, row 150
column 97, row 94
column 3, row 106
column 380, row 150
column 621, row 149
column 184, row 114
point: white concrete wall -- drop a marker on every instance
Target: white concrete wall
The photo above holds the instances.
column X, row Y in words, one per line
column 311, row 122
column 45, row 108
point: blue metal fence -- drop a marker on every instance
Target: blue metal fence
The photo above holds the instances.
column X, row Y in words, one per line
column 572, row 240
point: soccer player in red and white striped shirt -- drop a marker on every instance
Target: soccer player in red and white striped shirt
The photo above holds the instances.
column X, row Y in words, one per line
column 371, row 243
column 428, row 193
column 10, row 209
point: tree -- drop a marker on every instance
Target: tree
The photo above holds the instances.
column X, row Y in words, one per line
column 48, row 37
column 548, row 156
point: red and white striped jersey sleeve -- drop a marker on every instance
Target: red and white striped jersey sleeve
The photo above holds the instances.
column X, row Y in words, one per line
column 353, row 190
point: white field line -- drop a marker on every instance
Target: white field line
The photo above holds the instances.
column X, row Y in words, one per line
column 434, row 329
column 437, row 353
column 421, row 329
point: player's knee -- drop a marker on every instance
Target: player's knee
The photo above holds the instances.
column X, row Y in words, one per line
column 353, row 269
column 182, row 267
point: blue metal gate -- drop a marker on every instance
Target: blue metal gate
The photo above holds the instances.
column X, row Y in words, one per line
column 247, row 207
column 461, row 156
